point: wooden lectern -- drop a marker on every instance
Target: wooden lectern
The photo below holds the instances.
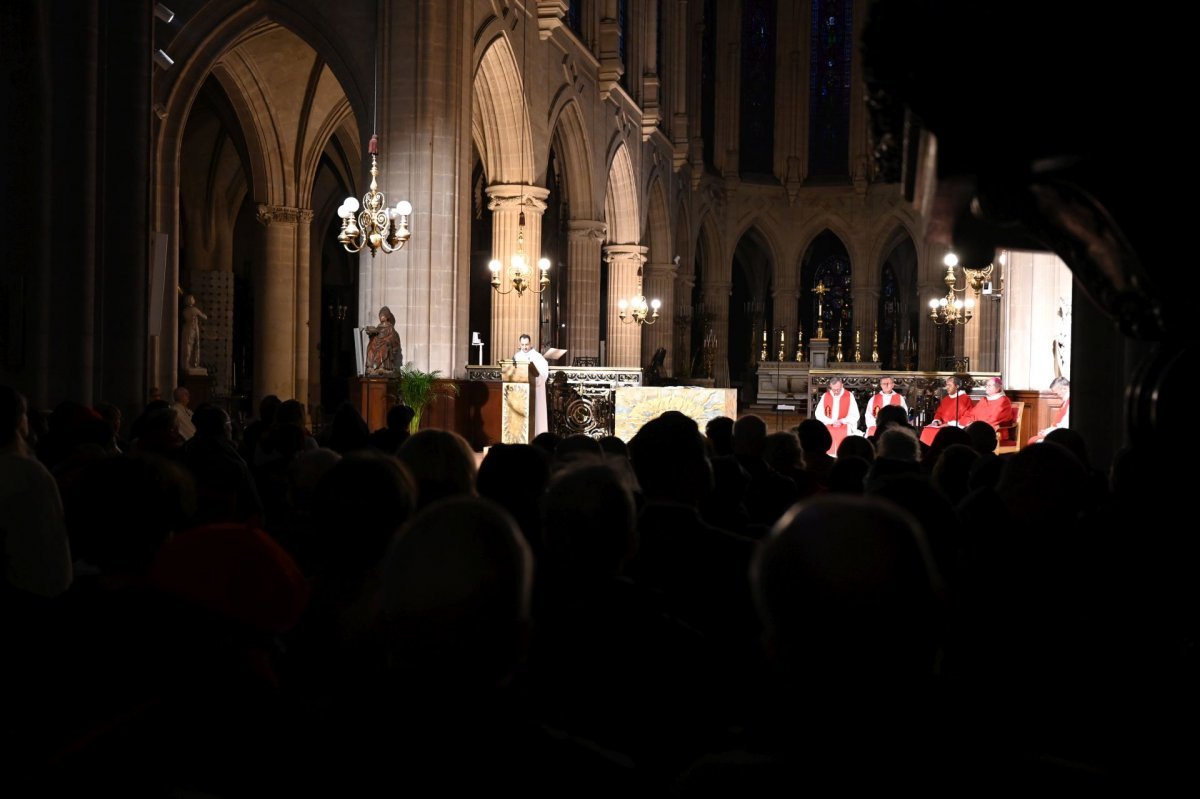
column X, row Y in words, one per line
column 519, row 389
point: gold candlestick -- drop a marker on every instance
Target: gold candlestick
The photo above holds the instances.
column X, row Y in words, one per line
column 838, row 354
column 875, row 346
column 782, row 345
column 857, row 345
column 763, row 355
column 799, row 345
column 820, row 291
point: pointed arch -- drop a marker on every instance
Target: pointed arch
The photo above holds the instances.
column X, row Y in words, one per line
column 658, row 225
column 571, row 139
column 621, row 200
column 500, row 116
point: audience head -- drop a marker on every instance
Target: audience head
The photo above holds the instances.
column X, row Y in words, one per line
column 899, row 443
column 455, row 595
column 589, row 521
column 814, row 436
column 749, row 436
column 577, row 447
column 442, row 462
column 849, row 474
column 846, row 589
column 890, row 416
column 983, row 437
column 856, row 447
column 952, row 471
column 359, row 503
column 399, row 417
column 670, row 459
column 719, row 432
column 514, row 477
column 211, row 421
column 782, row 451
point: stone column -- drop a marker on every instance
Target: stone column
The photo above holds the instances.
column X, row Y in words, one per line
column 679, row 89
column 682, row 323
column 584, row 239
column 624, row 338
column 866, row 320
column 785, row 317
column 514, row 314
column 716, row 302
column 281, row 304
column 657, row 282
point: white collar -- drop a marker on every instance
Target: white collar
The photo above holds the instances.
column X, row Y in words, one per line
column 955, row 395
column 992, row 397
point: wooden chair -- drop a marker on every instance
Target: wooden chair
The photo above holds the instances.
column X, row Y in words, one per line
column 1016, row 430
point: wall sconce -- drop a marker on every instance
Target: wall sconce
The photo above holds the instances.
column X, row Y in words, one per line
column 950, row 310
column 519, row 271
column 636, row 309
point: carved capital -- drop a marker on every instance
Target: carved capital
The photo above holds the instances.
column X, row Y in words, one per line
column 281, row 213
column 516, row 197
column 625, row 253
column 586, row 229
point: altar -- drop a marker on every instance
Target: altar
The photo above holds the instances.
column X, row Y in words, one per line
column 637, row 405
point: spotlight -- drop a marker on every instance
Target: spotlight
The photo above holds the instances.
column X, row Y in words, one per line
column 163, row 60
column 163, row 13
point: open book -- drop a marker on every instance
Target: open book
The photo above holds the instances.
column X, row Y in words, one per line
column 553, row 354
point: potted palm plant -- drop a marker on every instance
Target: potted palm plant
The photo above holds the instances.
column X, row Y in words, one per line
column 410, row 386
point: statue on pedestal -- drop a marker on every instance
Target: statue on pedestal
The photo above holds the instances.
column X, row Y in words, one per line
column 189, row 337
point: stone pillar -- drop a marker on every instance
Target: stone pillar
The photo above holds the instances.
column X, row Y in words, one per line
column 624, row 338
column 785, row 317
column 866, row 320
column 679, row 89
column 281, row 304
column 716, row 303
column 657, row 282
column 514, row 314
column 683, row 317
column 584, row 238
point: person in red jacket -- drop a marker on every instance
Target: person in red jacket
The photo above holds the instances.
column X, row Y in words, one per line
column 1062, row 387
column 996, row 409
column 954, row 410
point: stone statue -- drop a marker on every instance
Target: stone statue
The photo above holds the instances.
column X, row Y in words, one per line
column 383, row 344
column 189, row 335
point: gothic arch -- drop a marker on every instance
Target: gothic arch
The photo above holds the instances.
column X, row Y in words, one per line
column 621, row 201
column 814, row 229
column 570, row 136
column 500, row 116
column 658, row 225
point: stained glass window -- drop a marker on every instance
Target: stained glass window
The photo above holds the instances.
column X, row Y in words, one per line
column 758, row 87
column 836, row 305
column 829, row 88
column 708, row 80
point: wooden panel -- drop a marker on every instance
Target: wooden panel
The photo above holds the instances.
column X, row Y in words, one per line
column 369, row 395
column 474, row 414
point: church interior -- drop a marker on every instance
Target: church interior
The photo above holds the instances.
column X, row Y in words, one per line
column 732, row 192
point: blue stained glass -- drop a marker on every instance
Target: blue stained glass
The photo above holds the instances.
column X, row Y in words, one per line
column 837, row 307
column 757, row 118
column 829, row 88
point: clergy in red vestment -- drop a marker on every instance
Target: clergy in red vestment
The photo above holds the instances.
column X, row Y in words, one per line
column 885, row 396
column 996, row 409
column 1062, row 387
column 838, row 410
column 955, row 410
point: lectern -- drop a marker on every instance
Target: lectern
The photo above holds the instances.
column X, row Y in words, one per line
column 519, row 379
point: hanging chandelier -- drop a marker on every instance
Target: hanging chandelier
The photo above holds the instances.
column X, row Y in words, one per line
column 372, row 224
column 519, row 272
column 636, row 309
